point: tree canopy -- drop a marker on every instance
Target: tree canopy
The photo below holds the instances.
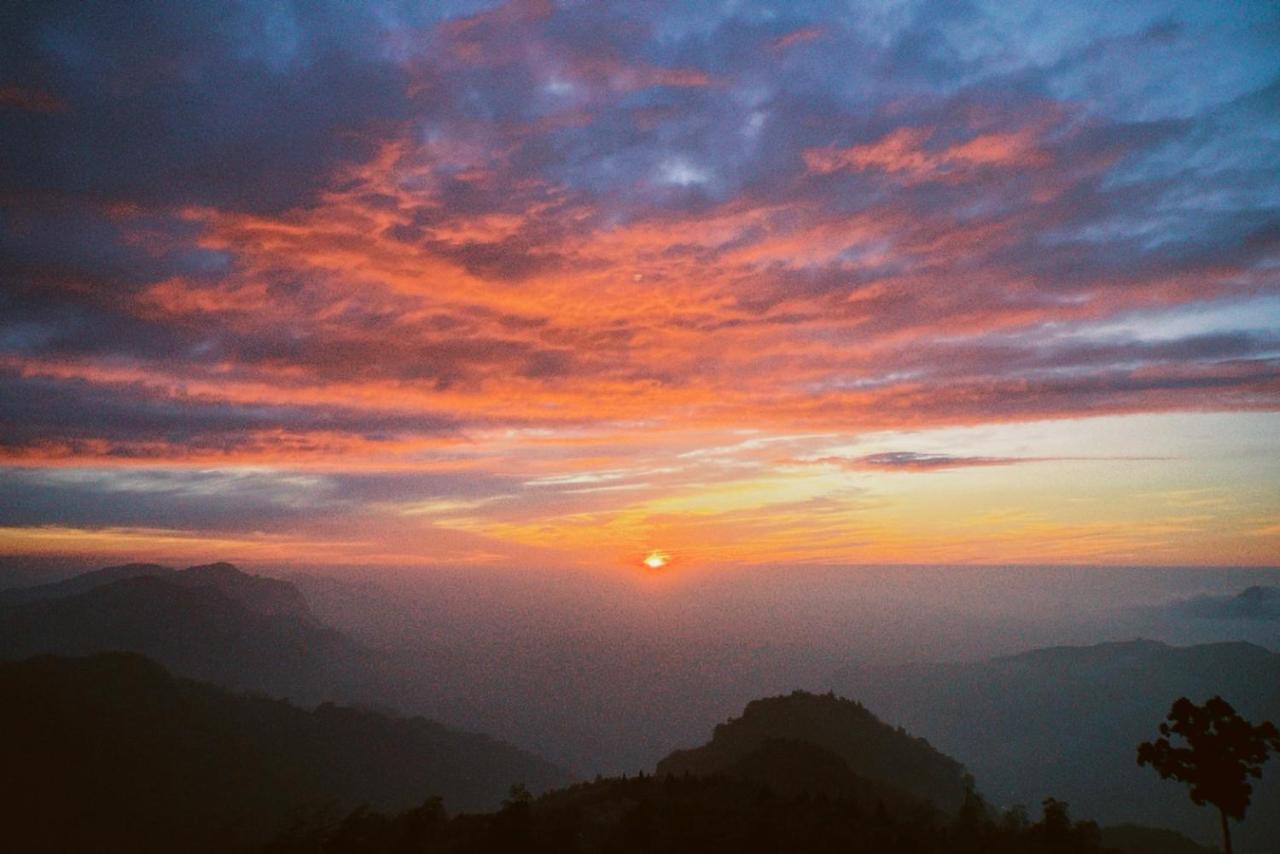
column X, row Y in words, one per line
column 1221, row 752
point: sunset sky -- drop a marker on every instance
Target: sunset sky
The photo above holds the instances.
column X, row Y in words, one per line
column 564, row 284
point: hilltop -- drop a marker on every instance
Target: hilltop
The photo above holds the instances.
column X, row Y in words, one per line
column 843, row 728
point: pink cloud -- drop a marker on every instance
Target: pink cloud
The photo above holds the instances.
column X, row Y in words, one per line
column 797, row 36
column 905, row 153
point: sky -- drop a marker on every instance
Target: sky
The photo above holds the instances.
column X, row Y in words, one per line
column 570, row 284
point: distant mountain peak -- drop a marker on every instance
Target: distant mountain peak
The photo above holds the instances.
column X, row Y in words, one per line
column 258, row 593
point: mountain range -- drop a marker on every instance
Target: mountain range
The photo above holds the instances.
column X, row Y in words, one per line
column 1061, row 721
column 764, row 783
column 116, row 755
column 1066, row 721
column 111, row 753
column 259, row 594
column 210, row 622
column 242, row 632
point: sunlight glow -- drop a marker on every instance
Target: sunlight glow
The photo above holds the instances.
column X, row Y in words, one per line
column 657, row 560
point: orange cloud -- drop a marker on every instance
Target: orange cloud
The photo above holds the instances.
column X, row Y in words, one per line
column 905, row 153
column 798, row 36
column 451, row 305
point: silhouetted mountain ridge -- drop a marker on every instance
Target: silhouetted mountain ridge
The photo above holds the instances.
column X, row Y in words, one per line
column 1066, row 720
column 784, row 795
column 208, row 622
column 111, row 753
column 81, row 583
column 1257, row 602
column 259, row 594
column 844, row 728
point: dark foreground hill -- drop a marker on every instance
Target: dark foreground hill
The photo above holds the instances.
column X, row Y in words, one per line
column 773, row 794
column 1067, row 721
column 869, row 747
column 212, row 622
column 113, row 754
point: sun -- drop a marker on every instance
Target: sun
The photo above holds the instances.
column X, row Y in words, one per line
column 657, row 560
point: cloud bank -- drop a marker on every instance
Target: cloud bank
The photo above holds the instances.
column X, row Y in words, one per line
column 541, row 239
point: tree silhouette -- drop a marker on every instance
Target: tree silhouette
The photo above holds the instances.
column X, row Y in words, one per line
column 1223, row 750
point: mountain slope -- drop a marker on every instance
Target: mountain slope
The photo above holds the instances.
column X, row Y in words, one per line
column 82, row 583
column 197, row 631
column 1253, row 603
column 111, row 753
column 1067, row 721
column 870, row 747
column 208, row 622
column 259, row 594
column 785, row 796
